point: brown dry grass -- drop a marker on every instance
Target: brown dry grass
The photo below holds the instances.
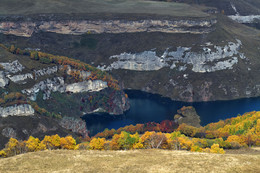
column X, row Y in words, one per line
column 129, row 161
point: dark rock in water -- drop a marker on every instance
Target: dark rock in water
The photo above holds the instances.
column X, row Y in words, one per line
column 76, row 125
column 187, row 115
column 23, row 127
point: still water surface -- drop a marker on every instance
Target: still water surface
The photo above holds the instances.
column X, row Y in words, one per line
column 147, row 107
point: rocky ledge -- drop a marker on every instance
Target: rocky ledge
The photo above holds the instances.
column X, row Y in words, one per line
column 78, row 27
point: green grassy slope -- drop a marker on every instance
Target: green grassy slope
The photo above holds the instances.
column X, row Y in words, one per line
column 100, row 6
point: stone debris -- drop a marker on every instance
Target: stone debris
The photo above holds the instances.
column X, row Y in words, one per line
column 45, row 71
column 3, row 80
column 12, row 67
column 17, row 110
column 47, row 86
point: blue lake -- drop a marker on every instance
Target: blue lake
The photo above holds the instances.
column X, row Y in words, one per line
column 147, row 107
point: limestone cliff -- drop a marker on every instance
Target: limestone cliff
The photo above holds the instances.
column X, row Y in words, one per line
column 74, row 27
column 209, row 59
column 17, row 110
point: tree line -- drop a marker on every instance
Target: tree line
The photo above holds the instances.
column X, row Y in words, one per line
column 232, row 133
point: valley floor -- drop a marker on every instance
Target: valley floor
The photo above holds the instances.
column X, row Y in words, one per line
column 131, row 161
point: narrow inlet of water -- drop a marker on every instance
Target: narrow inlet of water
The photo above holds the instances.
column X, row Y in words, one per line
column 147, row 107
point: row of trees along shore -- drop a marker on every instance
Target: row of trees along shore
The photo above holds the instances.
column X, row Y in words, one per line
column 233, row 133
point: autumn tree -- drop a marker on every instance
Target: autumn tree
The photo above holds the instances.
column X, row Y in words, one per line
column 12, row 147
column 34, row 144
column 97, row 143
column 68, row 143
column 216, row 149
column 3, row 153
column 52, row 142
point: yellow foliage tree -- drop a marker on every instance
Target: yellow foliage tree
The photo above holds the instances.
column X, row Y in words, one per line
column 68, row 143
column 34, row 144
column 12, row 147
column 3, row 153
column 97, row 143
column 238, row 139
column 52, row 142
column 215, row 149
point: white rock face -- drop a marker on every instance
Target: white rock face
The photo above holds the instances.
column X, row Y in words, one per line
column 86, row 86
column 245, row 19
column 3, row 80
column 58, row 85
column 209, row 59
column 13, row 67
column 17, row 110
column 109, row 26
column 144, row 61
column 47, row 86
column 20, row 77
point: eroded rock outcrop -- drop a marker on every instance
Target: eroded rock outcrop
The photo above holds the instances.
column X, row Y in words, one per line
column 76, row 125
column 187, row 115
column 9, row 132
column 26, row 28
column 17, row 110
